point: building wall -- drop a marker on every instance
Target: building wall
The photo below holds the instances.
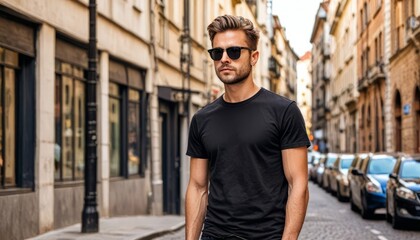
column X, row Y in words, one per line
column 22, row 209
column 140, row 34
column 321, row 74
column 342, row 18
column 371, row 75
column 54, row 204
column 303, row 90
column 405, row 79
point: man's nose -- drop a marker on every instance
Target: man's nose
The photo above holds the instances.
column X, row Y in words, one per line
column 225, row 57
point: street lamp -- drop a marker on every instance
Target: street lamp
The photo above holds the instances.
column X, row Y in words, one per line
column 90, row 216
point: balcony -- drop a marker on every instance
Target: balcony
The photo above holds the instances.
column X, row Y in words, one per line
column 362, row 83
column 376, row 73
column 274, row 67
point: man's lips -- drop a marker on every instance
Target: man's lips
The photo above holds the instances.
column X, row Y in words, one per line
column 225, row 69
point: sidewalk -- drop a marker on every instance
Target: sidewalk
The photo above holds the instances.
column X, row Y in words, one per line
column 124, row 228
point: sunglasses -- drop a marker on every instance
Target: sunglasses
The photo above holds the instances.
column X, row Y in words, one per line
column 233, row 52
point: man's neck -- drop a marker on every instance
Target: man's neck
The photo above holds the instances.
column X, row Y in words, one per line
column 240, row 92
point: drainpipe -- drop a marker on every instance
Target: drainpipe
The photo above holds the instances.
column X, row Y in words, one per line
column 155, row 200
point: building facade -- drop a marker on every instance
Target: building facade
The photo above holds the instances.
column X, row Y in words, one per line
column 371, row 75
column 304, row 89
column 154, row 72
column 343, row 103
column 321, row 74
column 404, row 74
column 282, row 62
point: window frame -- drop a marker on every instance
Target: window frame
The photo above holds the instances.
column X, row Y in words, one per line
column 125, row 84
column 59, row 76
column 25, row 120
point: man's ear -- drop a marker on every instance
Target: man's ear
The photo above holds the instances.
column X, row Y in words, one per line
column 254, row 57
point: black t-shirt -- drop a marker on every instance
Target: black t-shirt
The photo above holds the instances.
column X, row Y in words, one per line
column 243, row 142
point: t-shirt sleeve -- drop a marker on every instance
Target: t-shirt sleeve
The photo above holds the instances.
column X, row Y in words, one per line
column 195, row 144
column 293, row 131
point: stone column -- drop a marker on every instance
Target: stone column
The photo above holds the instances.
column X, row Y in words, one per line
column 45, row 139
column 103, row 134
column 389, row 144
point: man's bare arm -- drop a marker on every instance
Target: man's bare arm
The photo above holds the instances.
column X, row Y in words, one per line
column 196, row 198
column 296, row 171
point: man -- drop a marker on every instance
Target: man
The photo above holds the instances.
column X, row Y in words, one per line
column 248, row 149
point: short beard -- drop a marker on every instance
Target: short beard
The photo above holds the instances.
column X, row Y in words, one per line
column 238, row 79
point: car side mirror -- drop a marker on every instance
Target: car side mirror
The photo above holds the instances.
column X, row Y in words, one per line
column 393, row 175
column 355, row 172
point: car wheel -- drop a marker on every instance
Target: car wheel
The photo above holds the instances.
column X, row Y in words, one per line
column 366, row 214
column 396, row 220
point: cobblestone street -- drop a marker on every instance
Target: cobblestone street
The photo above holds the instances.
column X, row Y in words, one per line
column 329, row 219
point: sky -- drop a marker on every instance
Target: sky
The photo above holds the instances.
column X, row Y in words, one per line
column 298, row 17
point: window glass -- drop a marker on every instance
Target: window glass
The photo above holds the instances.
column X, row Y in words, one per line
column 133, row 131
column 79, row 122
column 10, row 125
column 381, row 165
column 346, row 162
column 410, row 169
column 330, row 161
column 114, row 130
column 70, row 117
column 57, row 117
column 67, row 128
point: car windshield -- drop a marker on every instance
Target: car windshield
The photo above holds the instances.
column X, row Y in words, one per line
column 410, row 169
column 346, row 162
column 382, row 165
column 330, row 161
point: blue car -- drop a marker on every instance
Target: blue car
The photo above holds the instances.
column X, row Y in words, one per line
column 403, row 192
column 368, row 183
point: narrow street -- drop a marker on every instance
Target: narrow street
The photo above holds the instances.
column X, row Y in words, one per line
column 329, row 219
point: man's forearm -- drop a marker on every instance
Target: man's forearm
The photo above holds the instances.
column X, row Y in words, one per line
column 195, row 210
column 295, row 211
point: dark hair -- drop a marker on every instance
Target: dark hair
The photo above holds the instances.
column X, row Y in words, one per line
column 229, row 22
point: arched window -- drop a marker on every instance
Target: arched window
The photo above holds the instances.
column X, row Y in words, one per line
column 398, row 122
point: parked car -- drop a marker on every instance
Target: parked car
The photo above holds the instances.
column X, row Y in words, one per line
column 314, row 162
column 357, row 162
column 368, row 182
column 320, row 169
column 331, row 157
column 403, row 192
column 338, row 178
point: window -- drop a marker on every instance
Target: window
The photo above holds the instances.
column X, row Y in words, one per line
column 127, row 111
column 114, row 130
column 70, row 112
column 17, row 105
column 9, row 65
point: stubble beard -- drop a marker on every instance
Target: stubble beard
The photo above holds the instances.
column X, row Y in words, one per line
column 240, row 77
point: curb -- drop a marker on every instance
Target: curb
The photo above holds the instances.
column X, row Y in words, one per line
column 163, row 232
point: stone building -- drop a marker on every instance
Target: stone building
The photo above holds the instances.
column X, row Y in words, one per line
column 404, row 75
column 282, row 62
column 343, row 103
column 371, row 75
column 152, row 76
column 304, row 89
column 321, row 74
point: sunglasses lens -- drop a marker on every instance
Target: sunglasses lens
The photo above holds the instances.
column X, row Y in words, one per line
column 234, row 52
column 216, row 54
